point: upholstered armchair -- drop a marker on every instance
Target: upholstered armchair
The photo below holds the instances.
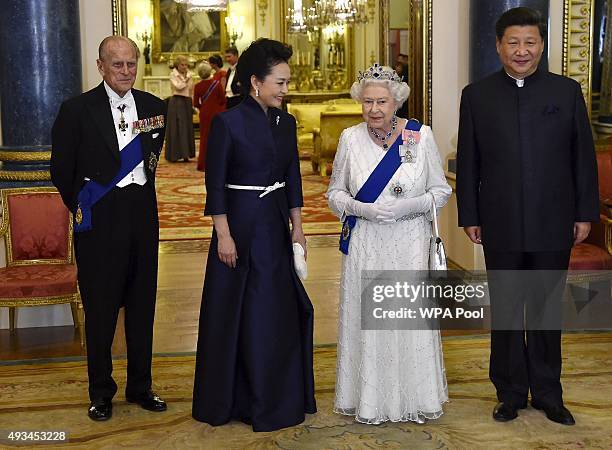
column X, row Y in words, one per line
column 308, row 117
column 326, row 139
column 595, row 253
column 40, row 269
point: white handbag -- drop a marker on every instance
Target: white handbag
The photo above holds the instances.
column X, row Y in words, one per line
column 437, row 255
column 299, row 262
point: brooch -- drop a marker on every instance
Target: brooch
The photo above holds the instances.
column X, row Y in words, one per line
column 398, row 190
column 411, row 137
column 407, row 155
column 146, row 125
column 78, row 217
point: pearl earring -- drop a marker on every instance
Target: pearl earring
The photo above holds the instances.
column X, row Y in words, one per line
column 256, row 92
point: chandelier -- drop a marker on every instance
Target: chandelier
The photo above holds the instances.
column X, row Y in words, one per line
column 204, row 5
column 323, row 13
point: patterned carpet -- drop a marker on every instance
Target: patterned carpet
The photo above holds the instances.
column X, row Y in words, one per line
column 181, row 196
column 52, row 396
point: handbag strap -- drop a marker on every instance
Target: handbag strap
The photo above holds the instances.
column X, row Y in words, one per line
column 434, row 214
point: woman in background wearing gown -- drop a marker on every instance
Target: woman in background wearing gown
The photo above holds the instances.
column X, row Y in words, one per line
column 209, row 98
column 254, row 354
column 216, row 62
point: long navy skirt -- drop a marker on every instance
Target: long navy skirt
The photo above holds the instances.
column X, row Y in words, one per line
column 254, row 357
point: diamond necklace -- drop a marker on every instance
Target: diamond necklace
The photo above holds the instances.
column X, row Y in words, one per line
column 383, row 139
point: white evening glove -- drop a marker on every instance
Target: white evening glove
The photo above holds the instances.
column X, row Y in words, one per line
column 299, row 261
column 369, row 211
column 408, row 206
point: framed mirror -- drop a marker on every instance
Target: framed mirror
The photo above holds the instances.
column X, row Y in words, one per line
column 406, row 29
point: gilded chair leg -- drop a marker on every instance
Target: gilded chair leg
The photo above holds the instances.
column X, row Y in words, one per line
column 11, row 318
column 323, row 167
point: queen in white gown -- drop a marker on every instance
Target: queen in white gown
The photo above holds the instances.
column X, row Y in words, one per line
column 395, row 375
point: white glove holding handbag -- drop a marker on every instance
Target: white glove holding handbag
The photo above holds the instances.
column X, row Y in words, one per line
column 299, row 262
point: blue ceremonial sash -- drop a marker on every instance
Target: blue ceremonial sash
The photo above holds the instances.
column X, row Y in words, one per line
column 376, row 183
column 131, row 156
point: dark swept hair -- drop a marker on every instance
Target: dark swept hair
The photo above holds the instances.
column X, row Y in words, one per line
column 258, row 59
column 520, row 16
column 233, row 50
column 216, row 59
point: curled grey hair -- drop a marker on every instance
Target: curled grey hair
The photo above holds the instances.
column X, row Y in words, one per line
column 204, row 70
column 399, row 90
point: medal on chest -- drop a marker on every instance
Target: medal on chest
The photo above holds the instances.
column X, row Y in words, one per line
column 407, row 151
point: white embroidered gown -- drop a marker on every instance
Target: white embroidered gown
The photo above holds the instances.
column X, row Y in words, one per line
column 395, row 375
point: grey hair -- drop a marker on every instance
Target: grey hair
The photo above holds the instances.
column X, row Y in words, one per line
column 399, row 90
column 103, row 48
column 204, row 70
column 179, row 59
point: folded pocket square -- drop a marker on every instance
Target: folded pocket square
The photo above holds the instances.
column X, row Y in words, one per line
column 155, row 135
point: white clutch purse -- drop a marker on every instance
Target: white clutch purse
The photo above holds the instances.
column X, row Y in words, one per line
column 299, row 262
column 437, row 255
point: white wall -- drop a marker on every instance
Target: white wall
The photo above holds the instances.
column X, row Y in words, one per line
column 96, row 24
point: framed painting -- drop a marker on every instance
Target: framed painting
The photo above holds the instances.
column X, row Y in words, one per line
column 177, row 31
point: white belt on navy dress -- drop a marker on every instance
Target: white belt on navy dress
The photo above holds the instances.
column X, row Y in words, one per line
column 266, row 189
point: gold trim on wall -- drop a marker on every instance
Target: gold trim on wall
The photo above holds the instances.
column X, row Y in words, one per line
column 119, row 9
column 578, row 44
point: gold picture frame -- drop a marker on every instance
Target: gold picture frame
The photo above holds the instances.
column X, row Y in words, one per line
column 196, row 35
column 578, row 44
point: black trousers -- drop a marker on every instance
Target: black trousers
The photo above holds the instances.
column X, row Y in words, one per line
column 526, row 360
column 117, row 267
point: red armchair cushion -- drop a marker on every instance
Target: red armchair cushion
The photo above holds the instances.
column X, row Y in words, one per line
column 604, row 169
column 41, row 280
column 589, row 257
column 39, row 226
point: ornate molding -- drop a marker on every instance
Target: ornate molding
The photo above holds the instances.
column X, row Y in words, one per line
column 25, row 175
column 262, row 6
column 578, row 43
column 119, row 10
column 25, row 156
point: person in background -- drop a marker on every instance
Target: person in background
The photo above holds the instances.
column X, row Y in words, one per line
column 209, row 98
column 180, row 141
column 219, row 73
column 232, row 89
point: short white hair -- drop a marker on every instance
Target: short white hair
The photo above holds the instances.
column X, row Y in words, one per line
column 399, row 90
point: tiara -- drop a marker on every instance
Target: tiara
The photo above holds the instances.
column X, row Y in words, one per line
column 378, row 72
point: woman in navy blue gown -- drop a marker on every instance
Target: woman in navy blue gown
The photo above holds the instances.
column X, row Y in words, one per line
column 254, row 357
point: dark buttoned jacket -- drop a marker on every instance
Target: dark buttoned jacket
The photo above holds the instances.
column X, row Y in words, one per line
column 526, row 168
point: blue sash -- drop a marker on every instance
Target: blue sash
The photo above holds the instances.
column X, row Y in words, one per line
column 376, row 183
column 131, row 156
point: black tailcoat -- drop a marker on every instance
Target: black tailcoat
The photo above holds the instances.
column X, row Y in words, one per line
column 254, row 358
column 117, row 259
column 526, row 168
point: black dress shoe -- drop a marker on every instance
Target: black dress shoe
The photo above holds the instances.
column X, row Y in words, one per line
column 100, row 409
column 149, row 401
column 504, row 412
column 556, row 413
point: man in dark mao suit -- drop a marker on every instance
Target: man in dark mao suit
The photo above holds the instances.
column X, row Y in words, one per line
column 117, row 258
column 526, row 191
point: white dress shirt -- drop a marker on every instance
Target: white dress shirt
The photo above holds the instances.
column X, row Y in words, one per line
column 130, row 115
column 228, row 87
